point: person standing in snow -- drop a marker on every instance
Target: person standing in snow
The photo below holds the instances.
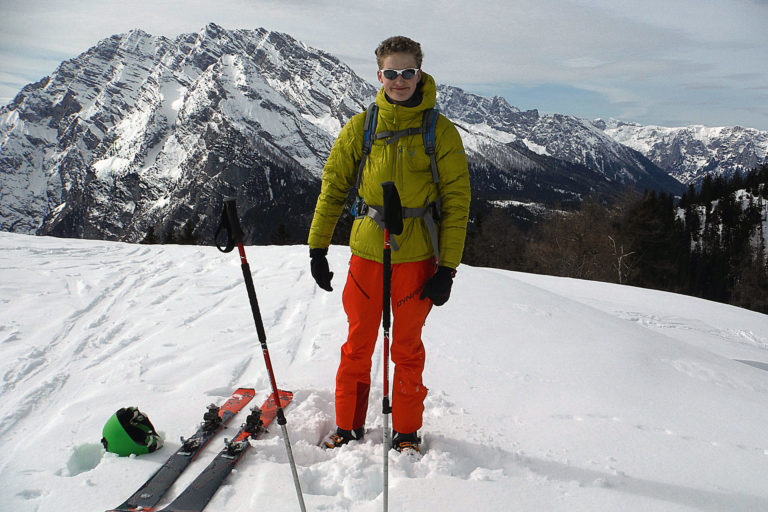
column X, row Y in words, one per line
column 420, row 278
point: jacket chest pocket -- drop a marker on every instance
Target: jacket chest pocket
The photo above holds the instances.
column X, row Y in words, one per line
column 414, row 160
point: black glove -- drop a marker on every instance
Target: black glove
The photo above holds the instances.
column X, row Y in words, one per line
column 438, row 287
column 320, row 270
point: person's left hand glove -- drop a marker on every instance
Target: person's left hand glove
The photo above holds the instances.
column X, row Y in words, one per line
column 320, row 270
column 438, row 287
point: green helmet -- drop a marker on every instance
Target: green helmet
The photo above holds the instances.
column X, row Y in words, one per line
column 129, row 431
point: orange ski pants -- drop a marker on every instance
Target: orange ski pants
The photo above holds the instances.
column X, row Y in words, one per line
column 362, row 298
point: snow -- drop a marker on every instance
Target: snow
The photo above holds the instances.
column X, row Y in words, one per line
column 693, row 147
column 326, row 123
column 111, row 165
column 536, row 148
column 546, row 394
column 530, row 206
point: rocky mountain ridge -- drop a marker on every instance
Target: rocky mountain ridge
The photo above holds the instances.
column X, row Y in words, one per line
column 144, row 131
column 143, row 134
column 523, row 140
column 689, row 153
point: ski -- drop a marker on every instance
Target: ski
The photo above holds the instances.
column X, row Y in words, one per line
column 197, row 495
column 215, row 419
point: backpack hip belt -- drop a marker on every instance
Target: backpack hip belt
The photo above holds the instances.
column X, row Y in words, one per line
column 426, row 213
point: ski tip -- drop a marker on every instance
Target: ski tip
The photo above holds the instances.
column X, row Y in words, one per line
column 245, row 392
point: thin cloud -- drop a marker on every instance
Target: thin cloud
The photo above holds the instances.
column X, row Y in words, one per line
column 621, row 52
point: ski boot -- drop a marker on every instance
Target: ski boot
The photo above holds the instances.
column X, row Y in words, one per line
column 407, row 444
column 342, row 437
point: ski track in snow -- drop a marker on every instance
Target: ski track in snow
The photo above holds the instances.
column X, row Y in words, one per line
column 546, row 394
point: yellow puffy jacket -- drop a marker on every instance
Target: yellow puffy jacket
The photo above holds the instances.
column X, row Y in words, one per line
column 406, row 163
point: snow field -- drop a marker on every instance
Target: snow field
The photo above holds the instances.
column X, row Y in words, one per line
column 546, row 394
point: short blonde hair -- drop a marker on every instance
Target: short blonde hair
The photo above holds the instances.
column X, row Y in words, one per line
column 398, row 44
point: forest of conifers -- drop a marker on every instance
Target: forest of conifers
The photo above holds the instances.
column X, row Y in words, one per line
column 711, row 243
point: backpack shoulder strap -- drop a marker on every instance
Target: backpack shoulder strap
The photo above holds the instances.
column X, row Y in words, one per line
column 428, row 122
column 369, row 133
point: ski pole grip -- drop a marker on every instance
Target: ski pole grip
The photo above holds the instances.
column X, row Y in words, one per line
column 231, row 222
column 393, row 208
column 230, row 208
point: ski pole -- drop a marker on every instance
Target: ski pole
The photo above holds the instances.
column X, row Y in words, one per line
column 386, row 408
column 235, row 235
column 393, row 225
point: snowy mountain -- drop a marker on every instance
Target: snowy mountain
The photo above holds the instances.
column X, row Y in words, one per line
column 527, row 142
column 143, row 133
column 690, row 152
column 545, row 394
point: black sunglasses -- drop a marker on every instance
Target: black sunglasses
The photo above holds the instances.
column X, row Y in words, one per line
column 407, row 73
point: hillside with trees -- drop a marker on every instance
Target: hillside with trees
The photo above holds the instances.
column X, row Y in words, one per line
column 711, row 243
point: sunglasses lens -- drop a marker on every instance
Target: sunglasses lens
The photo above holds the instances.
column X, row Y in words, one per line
column 391, row 74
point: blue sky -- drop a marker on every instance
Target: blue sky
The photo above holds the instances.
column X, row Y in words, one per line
column 665, row 62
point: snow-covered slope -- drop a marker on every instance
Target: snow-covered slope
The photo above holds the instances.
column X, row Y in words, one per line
column 690, row 152
column 546, row 394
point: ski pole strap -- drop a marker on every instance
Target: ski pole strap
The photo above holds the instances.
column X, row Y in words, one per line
column 231, row 222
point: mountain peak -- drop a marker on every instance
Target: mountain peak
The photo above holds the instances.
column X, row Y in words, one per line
column 143, row 132
column 214, row 31
column 134, row 128
column 137, row 33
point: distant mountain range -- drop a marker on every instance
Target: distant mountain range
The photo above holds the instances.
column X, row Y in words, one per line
column 141, row 134
column 691, row 152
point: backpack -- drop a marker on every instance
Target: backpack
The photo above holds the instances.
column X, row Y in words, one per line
column 430, row 214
